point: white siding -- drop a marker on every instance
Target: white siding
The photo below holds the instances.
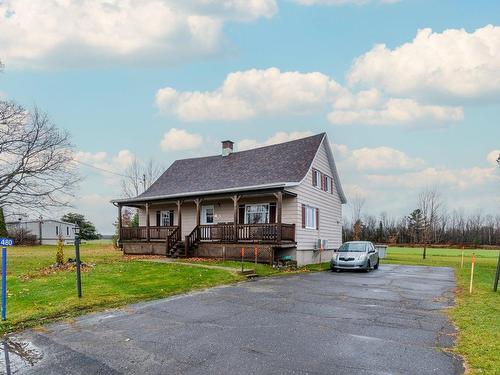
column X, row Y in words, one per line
column 50, row 235
column 330, row 207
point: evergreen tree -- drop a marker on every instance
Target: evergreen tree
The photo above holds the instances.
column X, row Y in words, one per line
column 87, row 229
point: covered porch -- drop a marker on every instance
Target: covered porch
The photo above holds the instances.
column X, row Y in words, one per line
column 181, row 224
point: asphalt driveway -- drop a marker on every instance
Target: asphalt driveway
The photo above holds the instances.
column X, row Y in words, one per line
column 388, row 321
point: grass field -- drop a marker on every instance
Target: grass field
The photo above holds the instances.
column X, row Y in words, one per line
column 36, row 296
column 477, row 315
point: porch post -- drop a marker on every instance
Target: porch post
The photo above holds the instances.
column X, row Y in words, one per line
column 179, row 216
column 120, row 223
column 198, row 201
column 235, row 199
column 147, row 223
column 279, row 212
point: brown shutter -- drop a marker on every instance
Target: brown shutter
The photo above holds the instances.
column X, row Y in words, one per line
column 158, row 218
column 241, row 214
column 314, row 177
column 303, row 216
column 323, row 182
column 272, row 213
column 171, row 217
column 317, row 218
column 331, row 187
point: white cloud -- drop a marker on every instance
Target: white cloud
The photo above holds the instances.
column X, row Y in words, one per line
column 493, row 156
column 135, row 32
column 453, row 63
column 179, row 139
column 250, row 93
column 343, row 2
column 395, row 111
column 279, row 137
column 376, row 158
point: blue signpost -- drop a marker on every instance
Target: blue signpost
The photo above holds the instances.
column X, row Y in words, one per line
column 4, row 242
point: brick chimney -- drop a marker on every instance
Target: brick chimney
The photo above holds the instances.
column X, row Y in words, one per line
column 227, row 147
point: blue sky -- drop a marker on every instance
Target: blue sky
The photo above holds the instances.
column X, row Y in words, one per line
column 131, row 81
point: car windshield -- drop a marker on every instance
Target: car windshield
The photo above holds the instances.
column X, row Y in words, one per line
column 353, row 247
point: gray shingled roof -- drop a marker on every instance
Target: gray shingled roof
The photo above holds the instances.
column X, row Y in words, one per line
column 281, row 164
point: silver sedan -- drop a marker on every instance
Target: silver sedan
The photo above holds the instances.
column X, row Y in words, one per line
column 355, row 255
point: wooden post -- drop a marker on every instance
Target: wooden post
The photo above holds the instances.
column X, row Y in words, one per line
column 198, row 201
column 235, row 199
column 179, row 217
column 473, row 261
column 147, row 223
column 120, row 223
column 497, row 274
column 223, row 253
column 279, row 213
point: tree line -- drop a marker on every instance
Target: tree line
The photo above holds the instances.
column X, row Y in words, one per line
column 430, row 223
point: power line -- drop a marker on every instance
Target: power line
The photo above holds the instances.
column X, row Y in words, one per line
column 100, row 169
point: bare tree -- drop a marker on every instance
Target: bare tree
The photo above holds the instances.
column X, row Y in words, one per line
column 140, row 176
column 36, row 169
column 429, row 203
column 357, row 203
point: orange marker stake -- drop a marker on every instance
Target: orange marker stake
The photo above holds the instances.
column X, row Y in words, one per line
column 255, row 253
column 462, row 263
column 472, row 271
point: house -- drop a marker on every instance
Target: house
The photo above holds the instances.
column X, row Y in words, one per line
column 279, row 200
column 47, row 231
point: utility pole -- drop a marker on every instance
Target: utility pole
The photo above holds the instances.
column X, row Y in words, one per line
column 497, row 274
column 144, row 182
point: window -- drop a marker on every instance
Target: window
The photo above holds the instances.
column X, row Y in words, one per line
column 310, row 217
column 328, row 184
column 167, row 218
column 67, row 231
column 316, row 178
column 57, row 230
column 207, row 215
column 257, row 213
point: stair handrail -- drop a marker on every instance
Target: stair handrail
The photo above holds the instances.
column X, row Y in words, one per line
column 191, row 239
column 172, row 239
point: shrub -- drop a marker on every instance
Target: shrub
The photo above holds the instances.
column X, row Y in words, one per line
column 22, row 236
column 60, row 251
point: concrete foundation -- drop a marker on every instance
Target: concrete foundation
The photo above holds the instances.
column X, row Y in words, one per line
column 144, row 248
column 304, row 257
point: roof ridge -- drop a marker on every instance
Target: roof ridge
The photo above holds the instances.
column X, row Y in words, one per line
column 255, row 148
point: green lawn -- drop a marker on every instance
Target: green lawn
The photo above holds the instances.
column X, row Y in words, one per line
column 35, row 297
column 477, row 315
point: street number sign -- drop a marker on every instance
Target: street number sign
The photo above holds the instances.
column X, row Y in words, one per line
column 6, row 242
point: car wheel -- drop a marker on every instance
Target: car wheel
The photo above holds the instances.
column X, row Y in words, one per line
column 368, row 267
column 375, row 267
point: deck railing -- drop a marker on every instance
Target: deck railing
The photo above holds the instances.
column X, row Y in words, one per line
column 140, row 233
column 269, row 233
column 247, row 232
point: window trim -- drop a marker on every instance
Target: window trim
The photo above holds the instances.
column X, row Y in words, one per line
column 314, row 216
column 259, row 204
column 318, row 176
column 203, row 214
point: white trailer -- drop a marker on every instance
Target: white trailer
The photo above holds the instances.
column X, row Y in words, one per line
column 47, row 231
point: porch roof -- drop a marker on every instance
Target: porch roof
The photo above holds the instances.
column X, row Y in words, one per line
column 207, row 195
column 271, row 167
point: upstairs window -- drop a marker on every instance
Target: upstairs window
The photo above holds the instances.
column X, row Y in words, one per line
column 328, row 184
column 316, row 178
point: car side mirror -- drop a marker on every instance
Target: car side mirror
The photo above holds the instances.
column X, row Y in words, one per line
column 371, row 251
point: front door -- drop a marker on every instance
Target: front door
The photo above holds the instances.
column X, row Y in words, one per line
column 207, row 215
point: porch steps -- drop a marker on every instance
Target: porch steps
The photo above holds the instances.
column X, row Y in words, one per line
column 249, row 274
